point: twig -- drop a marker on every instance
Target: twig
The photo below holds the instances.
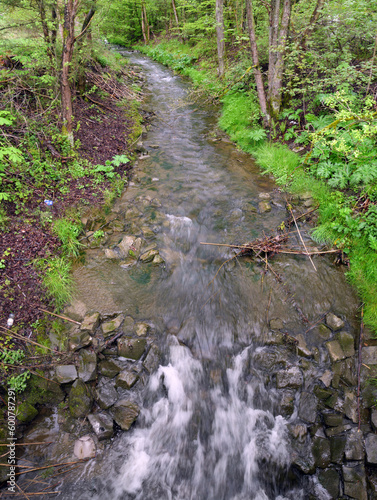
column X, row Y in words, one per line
column 359, row 362
column 99, row 103
column 302, row 241
column 41, row 376
column 19, row 337
column 59, row 316
column 48, row 466
column 22, row 491
column 27, row 444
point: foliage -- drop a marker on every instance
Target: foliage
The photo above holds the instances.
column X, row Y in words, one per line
column 57, row 279
column 68, row 232
column 13, row 357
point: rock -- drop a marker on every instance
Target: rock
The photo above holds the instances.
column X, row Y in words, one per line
column 112, row 326
column 87, row 369
column 149, row 255
column 105, row 395
column 307, row 410
column 130, row 246
column 304, row 460
column 26, row 412
column 126, row 379
column 273, row 338
column 264, row 196
column 371, row 448
column 42, row 391
column 326, row 378
column 337, row 447
column 79, row 339
column 102, row 425
column 173, row 326
column 369, row 355
column 109, row 368
column 344, row 371
column 141, row 329
column 152, row 360
column 84, row 448
column 264, row 207
column 333, row 419
column 65, row 373
column 276, row 324
column 158, row 260
column 373, row 418
column 324, row 332
column 90, row 323
column 321, row 452
column 111, row 253
column 131, row 348
column 346, row 342
column 287, row 403
column 335, row 350
column 355, row 481
column 147, row 232
column 334, row 322
column 79, row 399
column 335, row 431
column 354, row 446
column 302, row 348
column 128, row 325
column 329, row 479
column 350, row 406
column 369, row 395
column 125, row 413
column 289, row 378
column 299, row 432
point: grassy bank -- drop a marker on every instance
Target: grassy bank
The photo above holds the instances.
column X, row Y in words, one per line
column 332, row 162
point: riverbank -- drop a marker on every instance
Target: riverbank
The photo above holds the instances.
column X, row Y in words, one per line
column 345, row 216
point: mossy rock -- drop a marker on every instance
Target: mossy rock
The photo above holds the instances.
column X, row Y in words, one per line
column 26, row 412
column 42, row 391
column 79, row 399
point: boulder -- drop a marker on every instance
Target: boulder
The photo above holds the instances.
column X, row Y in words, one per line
column 90, row 322
column 307, row 410
column 126, row 379
column 337, row 447
column 302, row 348
column 79, row 399
column 355, row 481
column 370, row 355
column 109, row 368
column 141, row 329
column 125, row 413
column 111, row 326
column 335, row 350
column 324, row 332
column 130, row 247
column 102, row 425
column 333, row 419
column 289, row 378
column 287, row 403
column 334, row 322
column 326, row 378
column 152, row 360
column 26, row 412
column 131, row 348
column 65, row 374
column 87, row 369
column 373, row 418
column 371, row 448
column 346, row 342
column 329, row 479
column 158, row 260
column 84, row 448
column 321, row 451
column 79, row 339
column 350, row 406
column 299, row 432
column 112, row 253
column 149, row 255
column 354, row 446
column 264, row 207
column 105, row 395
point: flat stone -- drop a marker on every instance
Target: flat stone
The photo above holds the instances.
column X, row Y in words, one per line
column 65, row 373
column 321, row 452
column 333, row 419
column 111, row 253
column 334, row 322
column 84, row 448
column 330, row 480
column 87, row 369
column 324, row 332
column 369, row 395
column 299, row 432
column 109, row 368
column 337, row 447
column 287, row 403
column 304, row 461
column 373, row 418
column 355, row 481
column 369, row 355
column 130, row 247
column 152, row 360
column 276, row 324
column 302, row 348
column 346, row 342
column 90, row 322
column 371, row 448
column 335, row 350
column 158, row 260
column 264, row 196
column 26, row 412
column 355, row 447
column 125, row 413
column 149, row 255
column 111, row 326
column 323, row 394
column 326, row 378
column 273, row 338
column 79, row 399
column 79, row 339
column 335, row 431
column 131, row 348
column 307, row 410
column 264, row 207
column 102, row 425
column 128, row 325
column 141, row 329
column 289, row 378
column 345, row 371
column 105, row 395
column 126, row 379
column 350, row 406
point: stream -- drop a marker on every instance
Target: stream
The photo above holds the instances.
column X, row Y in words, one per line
column 211, row 425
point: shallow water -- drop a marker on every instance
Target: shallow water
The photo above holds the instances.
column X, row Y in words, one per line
column 210, row 427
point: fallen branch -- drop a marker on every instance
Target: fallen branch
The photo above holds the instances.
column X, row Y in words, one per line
column 47, row 466
column 61, row 317
column 25, row 339
column 302, row 241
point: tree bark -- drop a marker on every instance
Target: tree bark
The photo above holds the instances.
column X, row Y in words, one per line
column 176, row 19
column 257, row 72
column 144, row 22
column 220, row 36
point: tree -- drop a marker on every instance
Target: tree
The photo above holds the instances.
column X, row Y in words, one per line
column 220, row 36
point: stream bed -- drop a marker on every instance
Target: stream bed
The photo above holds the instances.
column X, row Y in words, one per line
column 236, row 406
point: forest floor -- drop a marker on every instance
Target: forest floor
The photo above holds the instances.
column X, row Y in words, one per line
column 105, row 131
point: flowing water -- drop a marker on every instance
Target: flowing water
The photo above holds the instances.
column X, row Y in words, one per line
column 210, row 426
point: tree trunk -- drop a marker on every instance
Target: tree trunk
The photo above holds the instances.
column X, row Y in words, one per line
column 220, row 36
column 276, row 70
column 85, row 32
column 257, row 71
column 144, row 22
column 176, row 19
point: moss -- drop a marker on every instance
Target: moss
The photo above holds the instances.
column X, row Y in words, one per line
column 26, row 412
column 41, row 391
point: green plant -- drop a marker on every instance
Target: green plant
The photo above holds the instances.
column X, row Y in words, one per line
column 68, row 232
column 57, row 279
column 18, row 383
column 97, row 235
